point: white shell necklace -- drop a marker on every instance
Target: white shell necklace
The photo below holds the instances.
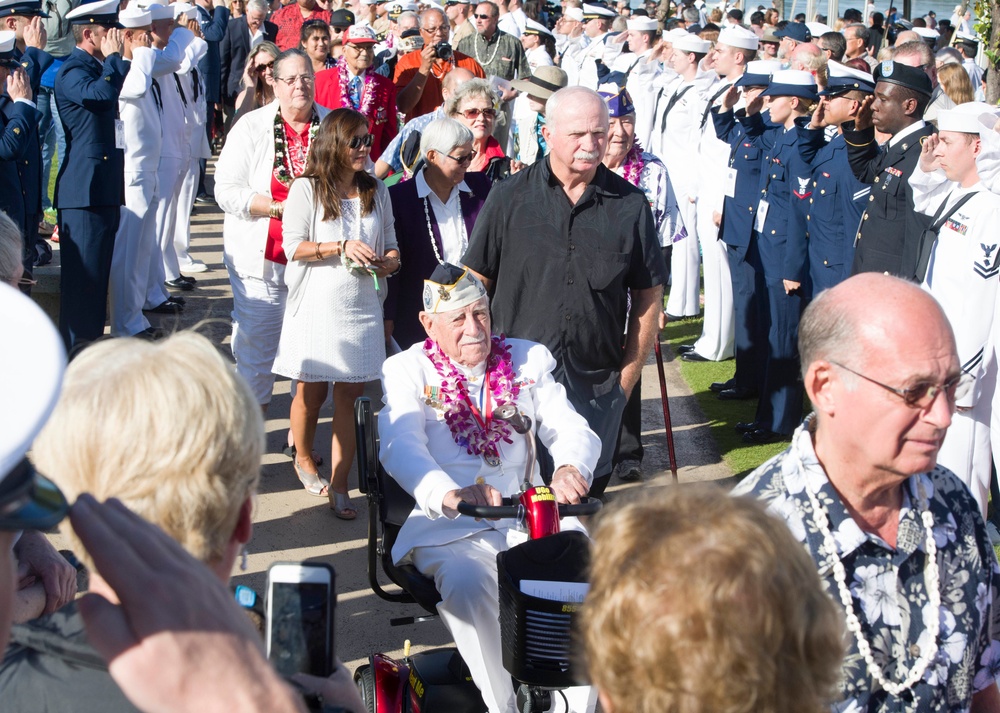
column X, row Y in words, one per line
column 931, row 583
column 475, row 47
column 430, row 229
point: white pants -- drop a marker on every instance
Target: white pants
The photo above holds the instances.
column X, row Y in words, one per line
column 684, row 284
column 966, row 451
column 170, row 175
column 258, row 311
column 465, row 573
column 134, row 255
column 718, row 333
column 182, row 225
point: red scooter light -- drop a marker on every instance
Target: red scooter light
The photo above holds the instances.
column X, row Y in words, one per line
column 541, row 512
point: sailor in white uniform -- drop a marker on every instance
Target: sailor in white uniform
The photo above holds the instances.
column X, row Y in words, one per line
column 532, row 39
column 640, row 67
column 475, row 458
column 735, row 48
column 569, row 34
column 678, row 110
column 136, row 265
column 963, row 264
column 590, row 63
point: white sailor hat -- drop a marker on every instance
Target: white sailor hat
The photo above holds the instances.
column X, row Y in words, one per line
column 758, row 73
column 965, row 118
column 26, row 8
column 678, row 33
column 574, row 13
column 739, row 37
column 8, row 39
column 818, row 28
column 792, row 83
column 134, row 16
column 692, row 43
column 927, row 33
column 451, row 287
column 595, row 11
column 184, row 8
column 642, row 24
column 31, row 342
column 432, row 5
column 843, row 79
column 160, row 11
column 102, row 12
column 535, row 28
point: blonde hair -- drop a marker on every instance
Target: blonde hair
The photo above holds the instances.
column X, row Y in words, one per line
column 168, row 428
column 704, row 603
column 955, row 82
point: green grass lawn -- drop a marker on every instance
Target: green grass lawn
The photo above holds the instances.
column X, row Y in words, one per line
column 721, row 415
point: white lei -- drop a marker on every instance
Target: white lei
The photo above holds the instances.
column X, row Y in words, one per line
column 931, row 582
column 475, row 47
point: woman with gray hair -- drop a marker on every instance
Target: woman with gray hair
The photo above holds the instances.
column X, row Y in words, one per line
column 474, row 104
column 435, row 213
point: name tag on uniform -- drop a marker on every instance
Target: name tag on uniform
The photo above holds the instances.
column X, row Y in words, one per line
column 729, row 182
column 761, row 215
column 119, row 134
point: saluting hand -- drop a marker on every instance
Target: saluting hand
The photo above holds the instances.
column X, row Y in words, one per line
column 17, row 84
column 143, row 39
column 928, row 161
column 755, row 105
column 730, row 98
column 863, row 119
column 112, row 42
column 819, row 116
column 35, row 34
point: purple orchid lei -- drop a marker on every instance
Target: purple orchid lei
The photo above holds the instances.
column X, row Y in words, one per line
column 465, row 427
column 632, row 170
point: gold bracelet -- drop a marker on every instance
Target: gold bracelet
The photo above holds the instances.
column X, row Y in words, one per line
column 318, row 255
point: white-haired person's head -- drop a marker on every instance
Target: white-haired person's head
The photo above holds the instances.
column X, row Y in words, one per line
column 443, row 136
column 11, row 249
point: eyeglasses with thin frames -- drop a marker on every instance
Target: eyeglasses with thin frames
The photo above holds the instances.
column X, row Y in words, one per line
column 922, row 395
column 357, row 142
column 306, row 79
column 473, row 113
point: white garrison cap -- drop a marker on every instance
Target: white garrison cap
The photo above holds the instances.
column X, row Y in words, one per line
column 739, row 37
column 134, row 16
column 31, row 346
column 451, row 287
column 692, row 43
column 965, row 118
column 642, row 24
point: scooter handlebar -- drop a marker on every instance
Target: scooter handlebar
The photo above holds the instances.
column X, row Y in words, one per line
column 510, row 508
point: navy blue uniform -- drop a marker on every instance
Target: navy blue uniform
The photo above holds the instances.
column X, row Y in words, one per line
column 831, row 218
column 17, row 122
column 736, row 232
column 89, row 190
column 783, row 256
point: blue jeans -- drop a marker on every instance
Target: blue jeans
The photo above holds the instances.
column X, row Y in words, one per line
column 53, row 137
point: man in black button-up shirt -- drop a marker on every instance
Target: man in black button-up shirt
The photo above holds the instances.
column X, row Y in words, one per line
column 561, row 246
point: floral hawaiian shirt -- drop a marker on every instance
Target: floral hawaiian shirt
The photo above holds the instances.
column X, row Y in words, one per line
column 887, row 584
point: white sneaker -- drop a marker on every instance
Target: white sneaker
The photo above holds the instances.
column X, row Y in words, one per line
column 195, row 266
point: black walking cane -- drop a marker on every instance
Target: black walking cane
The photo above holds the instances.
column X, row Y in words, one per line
column 666, row 409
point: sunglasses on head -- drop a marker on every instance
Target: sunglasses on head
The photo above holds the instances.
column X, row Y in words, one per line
column 473, row 113
column 357, row 142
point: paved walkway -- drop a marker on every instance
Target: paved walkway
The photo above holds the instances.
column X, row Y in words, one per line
column 290, row 525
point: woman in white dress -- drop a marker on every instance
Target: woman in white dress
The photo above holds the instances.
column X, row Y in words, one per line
column 340, row 243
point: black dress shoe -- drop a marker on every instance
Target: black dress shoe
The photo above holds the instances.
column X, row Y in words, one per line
column 694, row 356
column 685, row 348
column 737, row 393
column 188, row 279
column 179, row 284
column 746, row 426
column 717, row 386
column 205, row 199
column 177, row 298
column 151, row 334
column 761, row 436
column 167, row 307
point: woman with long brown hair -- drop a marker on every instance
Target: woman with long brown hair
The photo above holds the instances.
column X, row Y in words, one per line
column 340, row 243
column 258, row 79
column 956, row 84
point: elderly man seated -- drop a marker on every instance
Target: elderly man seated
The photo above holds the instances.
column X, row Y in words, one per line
column 442, row 445
column 897, row 539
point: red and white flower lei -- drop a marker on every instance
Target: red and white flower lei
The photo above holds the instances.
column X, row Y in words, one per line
column 367, row 89
column 634, row 164
column 466, row 427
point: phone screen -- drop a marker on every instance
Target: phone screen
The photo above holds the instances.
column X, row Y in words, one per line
column 299, row 626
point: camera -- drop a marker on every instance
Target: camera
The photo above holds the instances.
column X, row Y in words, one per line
column 443, row 50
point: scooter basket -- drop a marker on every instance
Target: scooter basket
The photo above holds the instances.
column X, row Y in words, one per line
column 536, row 633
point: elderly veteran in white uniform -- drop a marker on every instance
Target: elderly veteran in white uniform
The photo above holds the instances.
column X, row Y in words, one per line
column 962, row 268
column 441, row 462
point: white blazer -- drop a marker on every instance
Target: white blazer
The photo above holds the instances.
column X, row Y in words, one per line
column 420, row 453
column 243, row 171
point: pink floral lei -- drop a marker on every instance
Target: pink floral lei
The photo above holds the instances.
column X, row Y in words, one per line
column 466, row 427
column 367, row 88
column 633, row 164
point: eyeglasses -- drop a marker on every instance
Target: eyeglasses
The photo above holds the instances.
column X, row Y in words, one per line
column 474, row 113
column 338, row 30
column 357, row 142
column 923, row 395
column 261, row 68
column 463, row 160
column 483, row 17
column 306, row 79
column 435, row 30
